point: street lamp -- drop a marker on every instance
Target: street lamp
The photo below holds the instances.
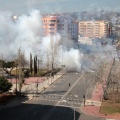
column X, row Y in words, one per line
column 37, row 86
column 71, row 105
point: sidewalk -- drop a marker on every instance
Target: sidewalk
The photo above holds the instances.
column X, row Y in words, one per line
column 30, row 89
column 43, row 83
column 92, row 106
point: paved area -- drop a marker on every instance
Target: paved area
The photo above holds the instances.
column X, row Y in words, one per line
column 30, row 88
column 92, row 106
column 35, row 84
column 60, row 101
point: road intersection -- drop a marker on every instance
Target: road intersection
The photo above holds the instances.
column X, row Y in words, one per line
column 58, row 102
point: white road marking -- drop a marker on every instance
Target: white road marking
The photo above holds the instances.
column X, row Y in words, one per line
column 70, row 88
column 34, row 113
column 68, row 106
column 110, row 119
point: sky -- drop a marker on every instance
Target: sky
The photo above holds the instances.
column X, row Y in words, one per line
column 53, row 6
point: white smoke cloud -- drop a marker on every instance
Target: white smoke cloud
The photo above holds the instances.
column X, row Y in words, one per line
column 72, row 60
column 26, row 33
column 63, row 55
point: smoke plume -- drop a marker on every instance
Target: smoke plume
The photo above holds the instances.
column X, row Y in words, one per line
column 26, row 33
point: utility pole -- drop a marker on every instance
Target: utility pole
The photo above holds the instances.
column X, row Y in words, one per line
column 16, row 78
column 52, row 58
column 37, row 87
column 20, row 74
column 84, row 99
column 84, row 92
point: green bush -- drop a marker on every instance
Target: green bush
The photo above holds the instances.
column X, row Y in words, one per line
column 5, row 85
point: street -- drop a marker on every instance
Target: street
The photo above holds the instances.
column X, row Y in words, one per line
column 60, row 101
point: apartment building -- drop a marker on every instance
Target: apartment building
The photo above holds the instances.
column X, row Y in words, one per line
column 100, row 29
column 63, row 24
column 73, row 30
column 49, row 24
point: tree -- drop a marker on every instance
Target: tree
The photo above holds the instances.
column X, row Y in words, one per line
column 21, row 61
column 113, row 83
column 101, row 75
column 1, row 63
column 35, row 65
column 31, row 61
column 21, row 64
column 4, row 85
column 8, row 66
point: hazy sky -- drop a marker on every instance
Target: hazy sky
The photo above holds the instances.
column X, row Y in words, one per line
column 21, row 6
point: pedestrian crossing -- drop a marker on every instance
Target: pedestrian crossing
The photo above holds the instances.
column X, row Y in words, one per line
column 49, row 98
column 111, row 119
column 59, row 97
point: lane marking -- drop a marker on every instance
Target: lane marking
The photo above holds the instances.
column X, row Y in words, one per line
column 70, row 89
column 34, row 113
column 68, row 106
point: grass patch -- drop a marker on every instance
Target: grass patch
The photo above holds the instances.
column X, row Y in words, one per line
column 110, row 108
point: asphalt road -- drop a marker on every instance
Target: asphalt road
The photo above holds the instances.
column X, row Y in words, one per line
column 58, row 102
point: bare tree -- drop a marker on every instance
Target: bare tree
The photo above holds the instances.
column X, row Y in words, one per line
column 113, row 83
column 21, row 64
column 101, row 76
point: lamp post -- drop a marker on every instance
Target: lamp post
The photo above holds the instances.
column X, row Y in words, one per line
column 71, row 105
column 84, row 95
column 37, row 86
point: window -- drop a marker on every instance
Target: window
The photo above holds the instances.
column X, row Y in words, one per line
column 52, row 20
column 58, row 21
column 51, row 28
column 51, row 32
column 51, row 24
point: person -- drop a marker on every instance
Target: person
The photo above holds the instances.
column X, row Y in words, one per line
column 37, row 85
column 69, row 84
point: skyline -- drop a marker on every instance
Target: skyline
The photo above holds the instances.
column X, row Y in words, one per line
column 51, row 6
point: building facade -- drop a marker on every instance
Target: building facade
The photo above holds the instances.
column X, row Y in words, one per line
column 73, row 30
column 62, row 24
column 49, row 24
column 100, row 29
